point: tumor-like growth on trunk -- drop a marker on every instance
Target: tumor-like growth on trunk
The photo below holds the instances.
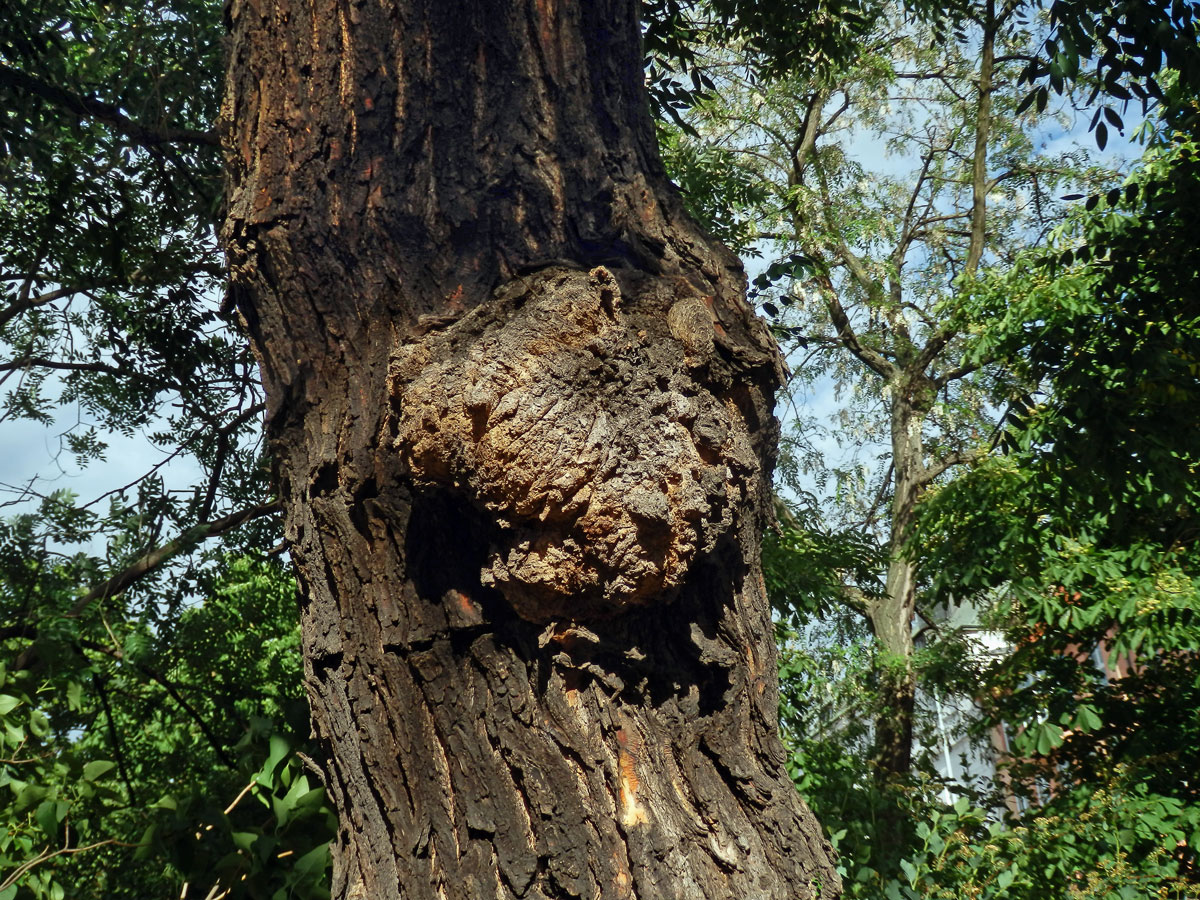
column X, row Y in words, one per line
column 591, row 425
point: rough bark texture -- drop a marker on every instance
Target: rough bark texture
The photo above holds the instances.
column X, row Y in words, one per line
column 522, row 417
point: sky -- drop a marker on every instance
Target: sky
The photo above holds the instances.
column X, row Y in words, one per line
column 32, row 452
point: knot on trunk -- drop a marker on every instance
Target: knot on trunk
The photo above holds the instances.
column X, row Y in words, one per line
column 570, row 408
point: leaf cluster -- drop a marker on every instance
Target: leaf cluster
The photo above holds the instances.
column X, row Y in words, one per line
column 1086, row 527
column 1128, row 50
column 142, row 754
column 1115, row 842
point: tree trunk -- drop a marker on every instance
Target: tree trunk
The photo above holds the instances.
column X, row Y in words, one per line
column 891, row 615
column 522, row 419
column 891, row 619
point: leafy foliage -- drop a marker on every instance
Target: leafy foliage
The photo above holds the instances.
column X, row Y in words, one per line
column 1089, row 520
column 1143, row 50
column 779, row 35
column 140, row 757
column 1109, row 842
column 716, row 189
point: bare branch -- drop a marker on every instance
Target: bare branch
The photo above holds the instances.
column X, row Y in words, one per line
column 224, row 439
column 27, row 303
column 962, row 371
column 907, row 229
column 62, row 365
column 870, row 358
column 934, row 347
column 47, row 854
column 807, row 140
column 983, row 127
column 855, row 599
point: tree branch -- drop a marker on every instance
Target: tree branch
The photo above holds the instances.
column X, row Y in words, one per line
column 957, row 458
column 223, row 442
column 48, row 854
column 114, row 737
column 936, row 345
column 961, row 372
column 27, row 303
column 148, row 562
column 155, row 558
column 855, row 599
column 88, row 107
column 809, row 130
column 173, row 692
column 845, row 331
column 907, row 229
column 983, row 126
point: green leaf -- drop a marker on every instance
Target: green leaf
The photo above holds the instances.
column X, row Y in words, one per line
column 167, row 801
column 1049, row 737
column 244, row 840
column 8, row 703
column 279, row 748
column 97, row 768
column 314, row 862
column 145, row 845
column 39, row 725
column 1086, row 718
column 48, row 817
column 29, row 794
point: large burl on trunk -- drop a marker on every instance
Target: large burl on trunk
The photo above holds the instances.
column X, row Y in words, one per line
column 522, row 418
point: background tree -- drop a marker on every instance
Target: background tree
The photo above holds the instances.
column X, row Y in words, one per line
column 1093, row 506
column 813, row 560
column 873, row 263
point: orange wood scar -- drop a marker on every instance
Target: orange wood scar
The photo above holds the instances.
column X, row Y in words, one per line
column 632, row 811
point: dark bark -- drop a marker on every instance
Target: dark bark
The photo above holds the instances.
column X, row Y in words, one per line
column 522, row 417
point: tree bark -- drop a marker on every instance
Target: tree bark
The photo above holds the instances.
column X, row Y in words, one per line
column 522, row 419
